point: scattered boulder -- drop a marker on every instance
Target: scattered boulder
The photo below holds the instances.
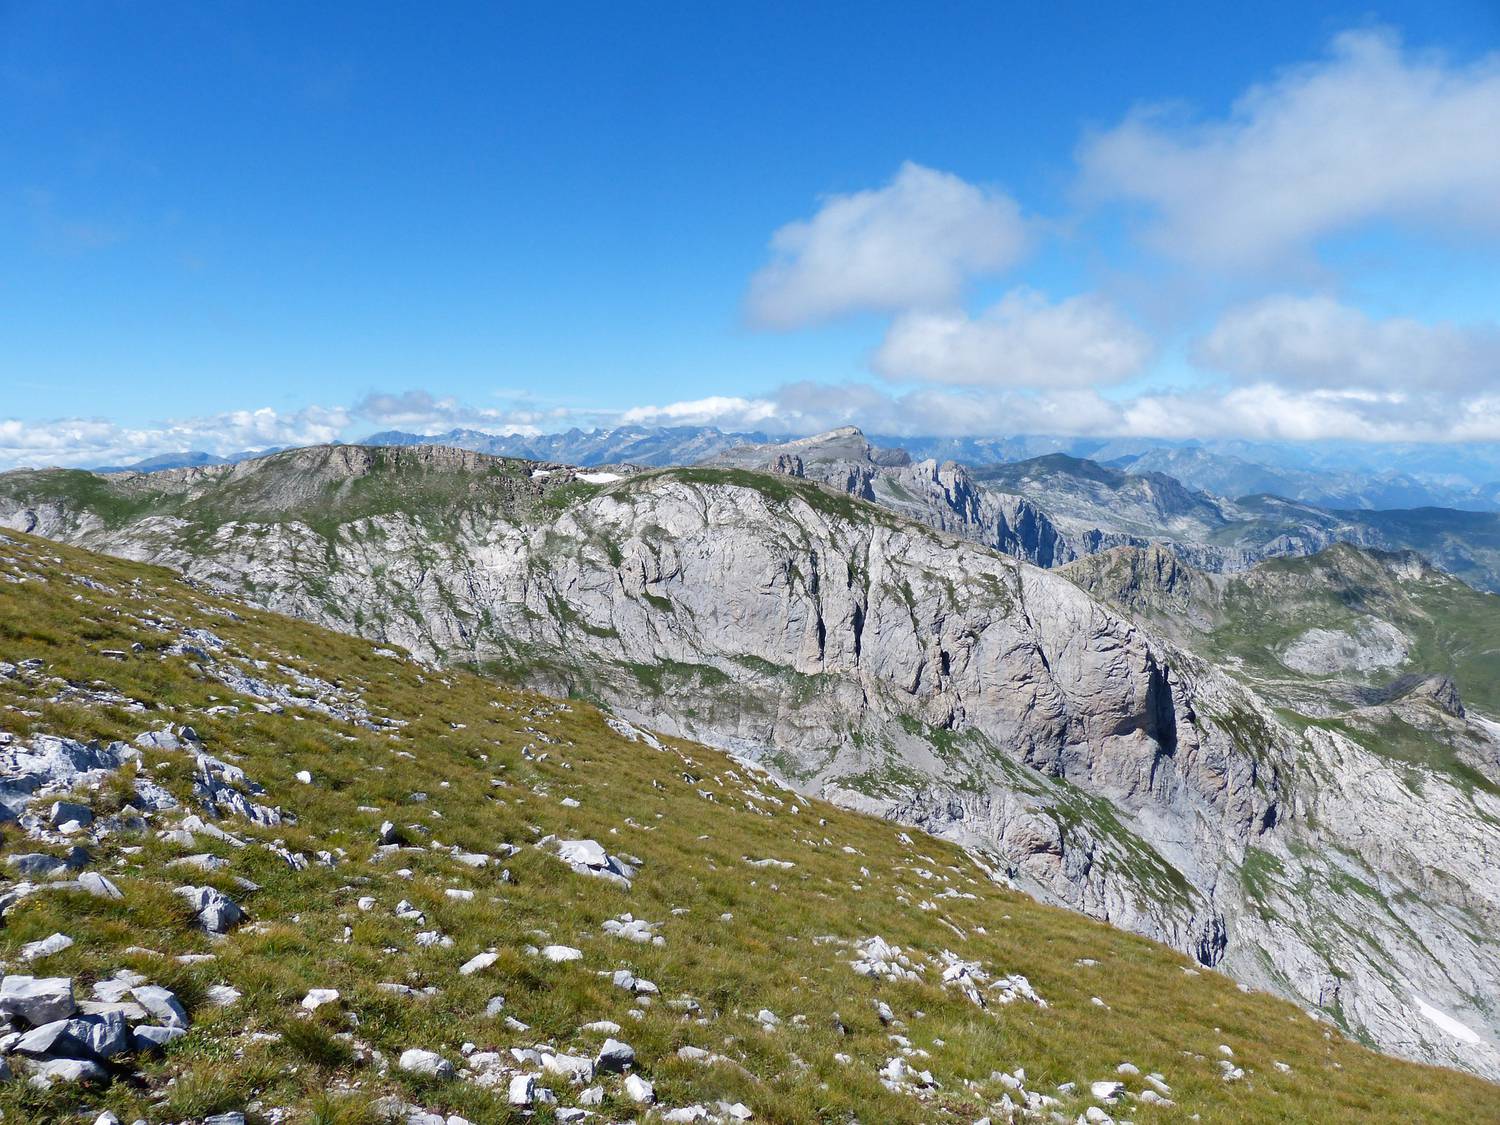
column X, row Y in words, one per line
column 317, row 997
column 217, row 912
column 614, row 1055
column 575, row 1068
column 638, row 1090
column 522, row 1089
column 37, row 1000
column 70, row 812
column 429, row 1063
column 151, row 1037
column 98, row 886
column 51, row 1072
column 46, row 947
column 161, row 1003
column 476, row 963
column 588, row 857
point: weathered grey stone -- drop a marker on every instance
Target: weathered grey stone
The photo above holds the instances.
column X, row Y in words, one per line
column 429, row 1063
column 46, row 947
column 162, row 1004
column 150, row 1037
column 216, row 911
column 65, row 811
column 614, row 1055
column 37, row 1000
column 99, row 886
column 51, row 1072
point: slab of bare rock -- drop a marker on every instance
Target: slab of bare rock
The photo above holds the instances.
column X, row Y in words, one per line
column 51, row 1072
column 65, row 812
column 638, row 1090
column 87, row 1037
column 151, row 1037
column 99, row 886
column 634, row 929
column 162, row 1003
column 46, row 947
column 575, row 1068
column 317, row 997
column 588, row 857
column 614, row 1055
column 522, row 1090
column 217, row 912
column 414, row 1060
column 37, row 1000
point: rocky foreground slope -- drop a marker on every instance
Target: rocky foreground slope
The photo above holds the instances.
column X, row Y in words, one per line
column 868, row 658
column 257, row 870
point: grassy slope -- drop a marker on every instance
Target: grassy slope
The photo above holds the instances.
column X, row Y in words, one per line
column 1158, row 1017
column 1454, row 629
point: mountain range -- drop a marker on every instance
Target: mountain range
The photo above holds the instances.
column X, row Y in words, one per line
column 1330, row 475
column 1279, row 755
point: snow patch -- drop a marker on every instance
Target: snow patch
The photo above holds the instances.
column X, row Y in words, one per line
column 599, row 478
column 1448, row 1023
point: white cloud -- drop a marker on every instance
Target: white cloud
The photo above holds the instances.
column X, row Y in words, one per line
column 1370, row 132
column 909, row 244
column 94, row 441
column 1260, row 411
column 1319, row 342
column 423, row 412
column 728, row 412
column 97, row 441
column 1022, row 341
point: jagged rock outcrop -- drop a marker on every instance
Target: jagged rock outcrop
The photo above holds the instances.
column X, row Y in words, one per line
column 1054, row 509
column 942, row 495
column 896, row 668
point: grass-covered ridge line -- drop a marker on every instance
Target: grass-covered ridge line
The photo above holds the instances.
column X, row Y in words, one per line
column 496, row 767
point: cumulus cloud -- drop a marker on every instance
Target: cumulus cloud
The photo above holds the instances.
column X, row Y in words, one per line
column 909, row 244
column 1318, row 341
column 729, row 412
column 1372, row 131
column 94, row 441
column 425, row 412
column 1260, row 411
column 1020, row 341
column 97, row 441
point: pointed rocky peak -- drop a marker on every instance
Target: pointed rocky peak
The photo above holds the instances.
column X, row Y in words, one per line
column 845, row 445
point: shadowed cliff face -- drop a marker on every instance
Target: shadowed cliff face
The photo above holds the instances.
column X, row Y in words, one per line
column 893, row 668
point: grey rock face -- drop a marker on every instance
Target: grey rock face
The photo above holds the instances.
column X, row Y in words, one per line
column 162, row 1004
column 37, row 1000
column 217, row 912
column 150, row 1037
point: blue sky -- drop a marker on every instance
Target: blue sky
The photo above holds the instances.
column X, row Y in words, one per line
column 235, row 225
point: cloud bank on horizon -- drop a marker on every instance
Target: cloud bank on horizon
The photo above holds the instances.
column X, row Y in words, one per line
column 963, row 343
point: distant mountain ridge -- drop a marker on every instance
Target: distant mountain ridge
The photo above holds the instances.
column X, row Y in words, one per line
column 1056, row 508
column 1465, row 477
